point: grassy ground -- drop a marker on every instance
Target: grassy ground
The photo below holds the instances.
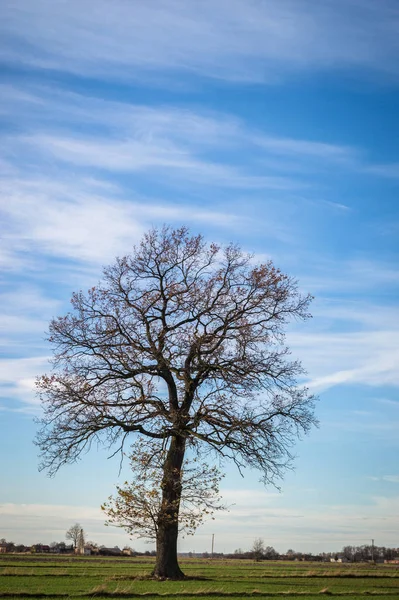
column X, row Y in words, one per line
column 94, row 577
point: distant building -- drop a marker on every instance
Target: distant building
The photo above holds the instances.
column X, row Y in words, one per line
column 392, row 561
column 80, row 546
column 40, row 548
column 3, row 548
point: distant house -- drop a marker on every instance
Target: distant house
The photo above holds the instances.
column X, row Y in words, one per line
column 87, row 550
column 3, row 548
column 40, row 548
column 392, row 561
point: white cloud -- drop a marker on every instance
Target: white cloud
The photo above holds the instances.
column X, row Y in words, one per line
column 313, row 526
column 255, row 514
column 389, row 478
column 353, row 337
column 139, row 135
column 45, row 523
column 67, row 219
column 388, row 402
column 25, row 312
column 342, row 279
column 309, row 149
column 235, row 40
column 79, row 222
column 76, row 220
column 74, row 168
column 51, row 510
column 17, row 381
column 365, row 358
column 170, row 161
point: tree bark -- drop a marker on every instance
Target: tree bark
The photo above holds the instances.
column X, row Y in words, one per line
column 166, row 564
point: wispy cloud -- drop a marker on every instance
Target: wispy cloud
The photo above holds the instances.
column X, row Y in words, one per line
column 93, row 216
column 253, row 514
column 323, row 525
column 309, row 149
column 386, row 170
column 165, row 157
column 202, row 146
column 353, row 338
column 44, row 523
column 389, row 478
column 100, row 142
column 388, row 402
column 77, row 202
column 236, row 40
column 79, row 221
column 17, row 379
column 180, row 145
column 368, row 357
column 26, row 310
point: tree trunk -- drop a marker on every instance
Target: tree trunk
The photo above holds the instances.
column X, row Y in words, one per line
column 166, row 564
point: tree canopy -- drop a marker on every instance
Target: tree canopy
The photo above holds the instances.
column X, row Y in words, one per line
column 75, row 534
column 182, row 342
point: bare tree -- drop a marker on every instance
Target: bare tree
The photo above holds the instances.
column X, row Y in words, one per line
column 74, row 534
column 137, row 504
column 270, row 553
column 183, row 343
column 258, row 549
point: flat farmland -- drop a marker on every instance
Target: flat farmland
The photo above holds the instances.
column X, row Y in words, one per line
column 93, row 577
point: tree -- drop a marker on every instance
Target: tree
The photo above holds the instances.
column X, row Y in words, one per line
column 93, row 545
column 182, row 343
column 74, row 534
column 258, row 549
column 270, row 553
column 349, row 552
column 137, row 505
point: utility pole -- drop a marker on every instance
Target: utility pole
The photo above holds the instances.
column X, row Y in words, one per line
column 372, row 550
column 213, row 543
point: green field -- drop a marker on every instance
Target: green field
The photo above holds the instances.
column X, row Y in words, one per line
column 73, row 577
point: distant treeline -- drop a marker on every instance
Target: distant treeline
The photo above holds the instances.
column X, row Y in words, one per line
column 258, row 552
column 347, row 554
column 62, row 548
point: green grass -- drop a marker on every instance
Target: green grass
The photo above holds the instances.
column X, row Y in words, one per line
column 44, row 576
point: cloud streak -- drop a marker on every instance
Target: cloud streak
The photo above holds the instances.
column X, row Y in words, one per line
column 254, row 514
column 389, row 478
column 236, row 40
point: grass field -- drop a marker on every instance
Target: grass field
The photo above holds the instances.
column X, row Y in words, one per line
column 89, row 577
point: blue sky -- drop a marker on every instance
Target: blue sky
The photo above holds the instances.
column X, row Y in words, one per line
column 272, row 124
